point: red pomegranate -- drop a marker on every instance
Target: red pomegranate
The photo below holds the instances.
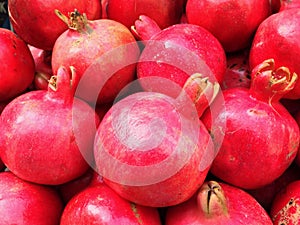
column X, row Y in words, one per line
column 218, row 203
column 26, row 203
column 178, row 51
column 261, row 137
column 101, row 205
column 17, row 67
column 36, row 23
column 47, row 136
column 104, row 53
column 232, row 22
column 277, row 37
column 286, row 205
column 151, row 148
column 164, row 12
column 237, row 73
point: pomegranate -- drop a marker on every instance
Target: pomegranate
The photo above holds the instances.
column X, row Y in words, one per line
column 104, row 53
column 237, row 73
column 17, row 67
column 151, row 148
column 232, row 22
column 278, row 37
column 289, row 4
column 286, row 205
column 164, row 12
column 265, row 195
column 101, row 205
column 36, row 23
column 261, row 137
column 38, row 133
column 178, row 51
column 26, row 203
column 218, row 203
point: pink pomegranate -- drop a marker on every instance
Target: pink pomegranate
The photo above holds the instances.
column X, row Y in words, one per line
column 43, row 68
column 151, row 148
column 178, row 51
column 261, row 137
column 104, row 53
column 286, row 205
column 164, row 12
column 101, row 205
column 26, row 203
column 232, row 22
column 277, row 37
column 36, row 23
column 218, row 203
column 17, row 67
column 237, row 73
column 47, row 136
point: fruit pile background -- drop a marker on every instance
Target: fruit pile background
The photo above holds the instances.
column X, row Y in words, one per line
column 149, row 112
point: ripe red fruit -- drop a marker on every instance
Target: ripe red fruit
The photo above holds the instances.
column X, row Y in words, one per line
column 178, row 51
column 104, row 53
column 286, row 205
column 152, row 149
column 101, row 205
column 277, row 37
column 26, row 203
column 164, row 12
column 41, row 133
column 218, row 203
column 17, row 67
column 36, row 23
column 232, row 22
column 261, row 137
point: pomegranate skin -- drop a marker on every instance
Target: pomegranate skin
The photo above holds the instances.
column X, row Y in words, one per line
column 232, row 22
column 180, row 50
column 17, row 69
column 164, row 12
column 277, row 37
column 297, row 118
column 261, row 137
column 218, row 203
column 135, row 147
column 26, row 203
column 104, row 55
column 41, row 134
column 42, row 27
column 286, row 205
column 288, row 4
column 101, row 205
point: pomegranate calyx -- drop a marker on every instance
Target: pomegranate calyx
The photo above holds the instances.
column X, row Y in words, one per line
column 144, row 28
column 211, row 199
column 201, row 91
column 270, row 83
column 76, row 20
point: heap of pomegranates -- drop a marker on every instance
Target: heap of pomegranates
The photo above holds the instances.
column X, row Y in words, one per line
column 150, row 112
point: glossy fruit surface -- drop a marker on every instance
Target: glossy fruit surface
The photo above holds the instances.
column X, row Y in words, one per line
column 17, row 65
column 27, row 203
